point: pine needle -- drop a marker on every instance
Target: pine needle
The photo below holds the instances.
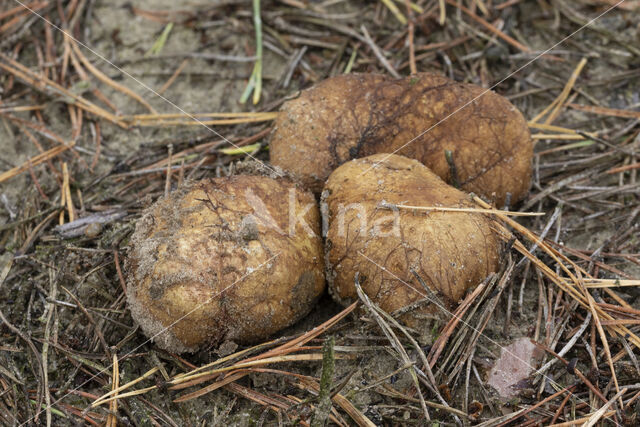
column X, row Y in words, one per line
column 468, row 210
column 396, row 12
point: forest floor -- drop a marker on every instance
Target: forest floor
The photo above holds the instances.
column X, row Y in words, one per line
column 85, row 119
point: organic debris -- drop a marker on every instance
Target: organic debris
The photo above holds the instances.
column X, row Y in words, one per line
column 92, row 131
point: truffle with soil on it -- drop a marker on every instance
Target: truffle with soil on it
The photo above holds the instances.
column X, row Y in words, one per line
column 421, row 117
column 366, row 233
column 234, row 258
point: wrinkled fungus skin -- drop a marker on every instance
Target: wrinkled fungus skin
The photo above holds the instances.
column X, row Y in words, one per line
column 357, row 115
column 451, row 251
column 203, row 245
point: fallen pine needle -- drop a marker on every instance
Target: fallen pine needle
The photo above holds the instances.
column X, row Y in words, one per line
column 603, row 111
column 555, row 128
column 106, row 80
column 120, row 396
column 124, row 387
column 22, row 108
column 147, row 120
column 292, row 345
column 570, row 285
column 566, row 91
column 624, row 168
column 112, row 420
column 560, row 136
column 260, row 362
column 173, row 77
column 603, row 340
column 558, row 102
column 581, row 421
column 470, row 210
column 140, row 117
column 35, row 160
column 413, row 6
column 487, row 25
column 67, row 192
column 49, row 87
column 601, row 412
column 610, row 283
column 396, row 12
column 580, row 144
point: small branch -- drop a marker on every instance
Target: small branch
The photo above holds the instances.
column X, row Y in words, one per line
column 324, row 396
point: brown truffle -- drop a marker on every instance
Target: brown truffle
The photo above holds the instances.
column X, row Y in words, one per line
column 451, row 251
column 420, row 117
column 235, row 258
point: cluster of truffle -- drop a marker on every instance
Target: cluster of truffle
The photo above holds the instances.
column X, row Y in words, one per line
column 242, row 257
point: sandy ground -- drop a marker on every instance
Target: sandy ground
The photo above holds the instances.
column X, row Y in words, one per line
column 206, row 86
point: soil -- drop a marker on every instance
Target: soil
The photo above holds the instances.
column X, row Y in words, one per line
column 81, row 271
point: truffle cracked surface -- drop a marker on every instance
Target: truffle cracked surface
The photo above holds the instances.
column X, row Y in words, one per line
column 451, row 251
column 218, row 261
column 420, row 117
